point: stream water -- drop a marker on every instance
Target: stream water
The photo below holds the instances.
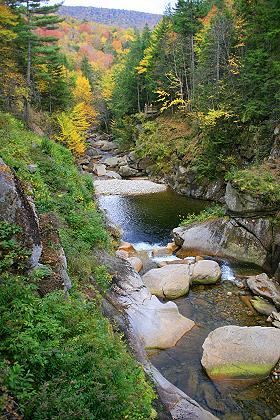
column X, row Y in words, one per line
column 148, row 220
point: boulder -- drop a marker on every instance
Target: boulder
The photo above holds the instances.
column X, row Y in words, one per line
column 261, row 285
column 114, row 175
column 100, row 170
column 172, row 262
column 262, row 305
column 246, row 240
column 205, row 272
column 128, row 303
column 172, row 246
column 108, row 146
column 243, row 204
column 126, row 171
column 122, row 160
column 111, row 162
column 17, row 208
column 122, row 254
column 162, row 251
column 246, row 353
column 128, row 247
column 158, row 325
column 32, row 168
column 170, row 281
column 136, row 263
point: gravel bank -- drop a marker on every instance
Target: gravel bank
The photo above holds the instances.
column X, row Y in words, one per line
column 127, row 187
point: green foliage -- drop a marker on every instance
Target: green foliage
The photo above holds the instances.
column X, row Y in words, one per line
column 61, row 359
column 125, row 130
column 210, row 213
column 13, row 256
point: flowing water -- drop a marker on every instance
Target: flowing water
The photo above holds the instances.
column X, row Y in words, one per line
column 148, row 220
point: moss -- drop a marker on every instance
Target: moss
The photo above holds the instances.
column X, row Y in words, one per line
column 239, row 371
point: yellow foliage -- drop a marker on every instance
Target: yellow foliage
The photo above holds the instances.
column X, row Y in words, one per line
column 73, row 126
column 212, row 116
column 82, row 91
column 7, row 18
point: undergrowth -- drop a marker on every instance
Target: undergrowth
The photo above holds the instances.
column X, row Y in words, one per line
column 59, row 358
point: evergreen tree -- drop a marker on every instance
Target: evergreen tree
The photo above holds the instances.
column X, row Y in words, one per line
column 38, row 48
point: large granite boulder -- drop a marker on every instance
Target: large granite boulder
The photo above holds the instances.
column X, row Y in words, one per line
column 17, row 208
column 205, row 272
column 241, row 203
column 125, row 304
column 170, row 281
column 157, row 324
column 127, row 172
column 247, row 240
column 245, row 353
column 261, row 285
column 262, row 305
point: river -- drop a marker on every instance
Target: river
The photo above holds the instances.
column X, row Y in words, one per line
column 147, row 221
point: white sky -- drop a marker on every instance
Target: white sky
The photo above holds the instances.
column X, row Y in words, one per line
column 151, row 6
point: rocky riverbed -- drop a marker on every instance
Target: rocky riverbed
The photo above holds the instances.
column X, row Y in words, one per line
column 216, row 329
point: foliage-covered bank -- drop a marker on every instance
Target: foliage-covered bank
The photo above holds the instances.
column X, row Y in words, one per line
column 60, row 357
column 214, row 67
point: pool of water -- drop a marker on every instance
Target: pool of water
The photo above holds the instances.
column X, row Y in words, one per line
column 150, row 218
column 147, row 221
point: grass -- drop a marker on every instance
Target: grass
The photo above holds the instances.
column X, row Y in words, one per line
column 59, row 358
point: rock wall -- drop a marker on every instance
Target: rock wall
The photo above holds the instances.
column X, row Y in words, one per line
column 18, row 208
column 39, row 235
column 184, row 181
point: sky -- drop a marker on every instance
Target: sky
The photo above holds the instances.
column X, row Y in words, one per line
column 151, row 6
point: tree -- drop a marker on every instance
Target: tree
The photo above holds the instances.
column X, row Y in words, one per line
column 37, row 50
column 130, row 93
column 13, row 89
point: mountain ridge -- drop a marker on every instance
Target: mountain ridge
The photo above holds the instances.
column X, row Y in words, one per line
column 112, row 17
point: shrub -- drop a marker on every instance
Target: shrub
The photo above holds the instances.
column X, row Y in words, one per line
column 13, row 256
column 61, row 359
column 210, row 213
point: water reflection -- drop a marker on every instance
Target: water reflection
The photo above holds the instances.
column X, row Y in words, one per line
column 150, row 218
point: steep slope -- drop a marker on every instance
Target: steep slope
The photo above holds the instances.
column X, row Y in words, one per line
column 112, row 17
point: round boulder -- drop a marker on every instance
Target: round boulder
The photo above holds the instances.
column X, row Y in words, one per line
column 136, row 263
column 205, row 272
column 245, row 353
column 170, row 281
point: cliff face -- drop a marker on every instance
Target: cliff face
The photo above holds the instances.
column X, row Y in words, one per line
column 18, row 208
column 38, row 235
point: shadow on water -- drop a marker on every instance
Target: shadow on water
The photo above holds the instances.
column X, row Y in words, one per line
column 148, row 220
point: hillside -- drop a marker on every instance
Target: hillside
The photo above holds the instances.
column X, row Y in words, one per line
column 112, row 17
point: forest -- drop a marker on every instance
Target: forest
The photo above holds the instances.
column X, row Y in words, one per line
column 198, row 94
column 112, row 17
